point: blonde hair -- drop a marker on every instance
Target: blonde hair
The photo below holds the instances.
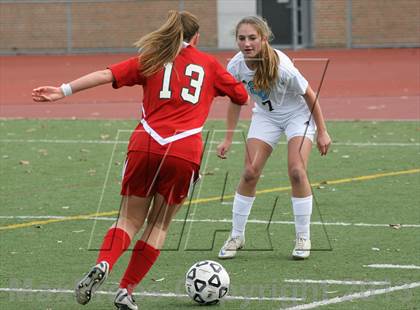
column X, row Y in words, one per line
column 163, row 45
column 266, row 73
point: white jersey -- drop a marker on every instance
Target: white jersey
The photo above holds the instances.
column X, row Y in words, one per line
column 285, row 98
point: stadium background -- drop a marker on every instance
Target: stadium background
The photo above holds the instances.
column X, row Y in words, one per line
column 75, row 26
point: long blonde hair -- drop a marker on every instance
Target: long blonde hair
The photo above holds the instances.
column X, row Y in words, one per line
column 266, row 73
column 163, row 45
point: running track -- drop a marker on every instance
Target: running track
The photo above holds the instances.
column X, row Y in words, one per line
column 359, row 84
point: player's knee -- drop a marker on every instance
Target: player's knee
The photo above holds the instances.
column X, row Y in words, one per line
column 251, row 175
column 297, row 175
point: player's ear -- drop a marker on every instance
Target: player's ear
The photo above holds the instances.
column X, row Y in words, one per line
column 194, row 40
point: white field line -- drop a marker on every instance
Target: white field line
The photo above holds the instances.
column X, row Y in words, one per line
column 145, row 294
column 391, row 266
column 359, row 295
column 46, row 217
column 339, row 282
column 71, row 141
column 103, row 188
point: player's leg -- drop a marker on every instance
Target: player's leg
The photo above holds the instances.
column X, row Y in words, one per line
column 174, row 181
column 264, row 133
column 146, row 251
column 137, row 185
column 300, row 135
column 256, row 155
column 117, row 239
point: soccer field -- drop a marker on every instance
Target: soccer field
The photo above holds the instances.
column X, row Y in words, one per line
column 60, row 192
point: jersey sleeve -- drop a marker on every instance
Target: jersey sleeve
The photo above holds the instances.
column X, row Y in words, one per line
column 227, row 85
column 297, row 83
column 126, row 73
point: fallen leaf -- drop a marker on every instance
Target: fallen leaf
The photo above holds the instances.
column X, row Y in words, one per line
column 104, row 136
column 24, row 162
column 43, row 152
column 158, row 280
column 376, row 249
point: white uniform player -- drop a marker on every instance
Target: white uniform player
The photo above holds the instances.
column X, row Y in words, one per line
column 282, row 110
column 283, row 104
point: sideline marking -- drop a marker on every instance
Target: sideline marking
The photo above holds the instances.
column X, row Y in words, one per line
column 210, row 199
column 144, row 294
column 391, row 266
column 337, row 282
column 252, row 221
column 354, row 296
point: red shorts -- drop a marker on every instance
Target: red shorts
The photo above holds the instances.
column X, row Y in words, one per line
column 146, row 174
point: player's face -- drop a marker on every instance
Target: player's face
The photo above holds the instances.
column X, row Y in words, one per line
column 248, row 40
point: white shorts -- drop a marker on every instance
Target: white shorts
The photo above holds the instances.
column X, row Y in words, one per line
column 270, row 129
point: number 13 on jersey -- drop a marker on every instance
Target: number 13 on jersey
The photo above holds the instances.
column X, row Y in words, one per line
column 193, row 97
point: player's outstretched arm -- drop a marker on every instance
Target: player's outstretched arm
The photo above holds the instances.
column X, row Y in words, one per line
column 51, row 93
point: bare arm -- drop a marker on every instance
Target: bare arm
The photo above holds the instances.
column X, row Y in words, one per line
column 52, row 93
column 231, row 122
column 323, row 138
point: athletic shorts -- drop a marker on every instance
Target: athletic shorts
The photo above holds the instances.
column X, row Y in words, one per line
column 270, row 129
column 146, row 174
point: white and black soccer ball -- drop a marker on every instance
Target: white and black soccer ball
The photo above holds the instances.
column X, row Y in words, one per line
column 207, row 282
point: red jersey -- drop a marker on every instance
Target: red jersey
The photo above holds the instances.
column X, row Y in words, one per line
column 177, row 101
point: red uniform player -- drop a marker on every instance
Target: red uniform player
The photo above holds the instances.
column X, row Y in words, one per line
column 164, row 151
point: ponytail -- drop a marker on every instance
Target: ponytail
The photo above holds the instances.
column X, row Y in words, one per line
column 266, row 73
column 163, row 45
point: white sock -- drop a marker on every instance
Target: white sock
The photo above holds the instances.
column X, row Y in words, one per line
column 302, row 210
column 241, row 209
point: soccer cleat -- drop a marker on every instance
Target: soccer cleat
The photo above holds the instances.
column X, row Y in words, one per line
column 91, row 282
column 124, row 300
column 302, row 248
column 231, row 246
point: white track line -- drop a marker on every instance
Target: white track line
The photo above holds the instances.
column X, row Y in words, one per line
column 337, row 282
column 391, row 266
column 145, row 294
column 71, row 141
column 46, row 217
column 354, row 296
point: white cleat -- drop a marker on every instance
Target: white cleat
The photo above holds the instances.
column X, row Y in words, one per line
column 231, row 246
column 124, row 300
column 91, row 282
column 302, row 249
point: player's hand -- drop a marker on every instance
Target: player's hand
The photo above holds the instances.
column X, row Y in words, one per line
column 47, row 94
column 323, row 142
column 223, row 148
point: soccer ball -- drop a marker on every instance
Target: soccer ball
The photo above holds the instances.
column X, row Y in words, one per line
column 207, row 282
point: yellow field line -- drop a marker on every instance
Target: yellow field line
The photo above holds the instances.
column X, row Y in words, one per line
column 203, row 200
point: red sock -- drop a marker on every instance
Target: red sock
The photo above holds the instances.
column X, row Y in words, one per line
column 142, row 259
column 116, row 241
